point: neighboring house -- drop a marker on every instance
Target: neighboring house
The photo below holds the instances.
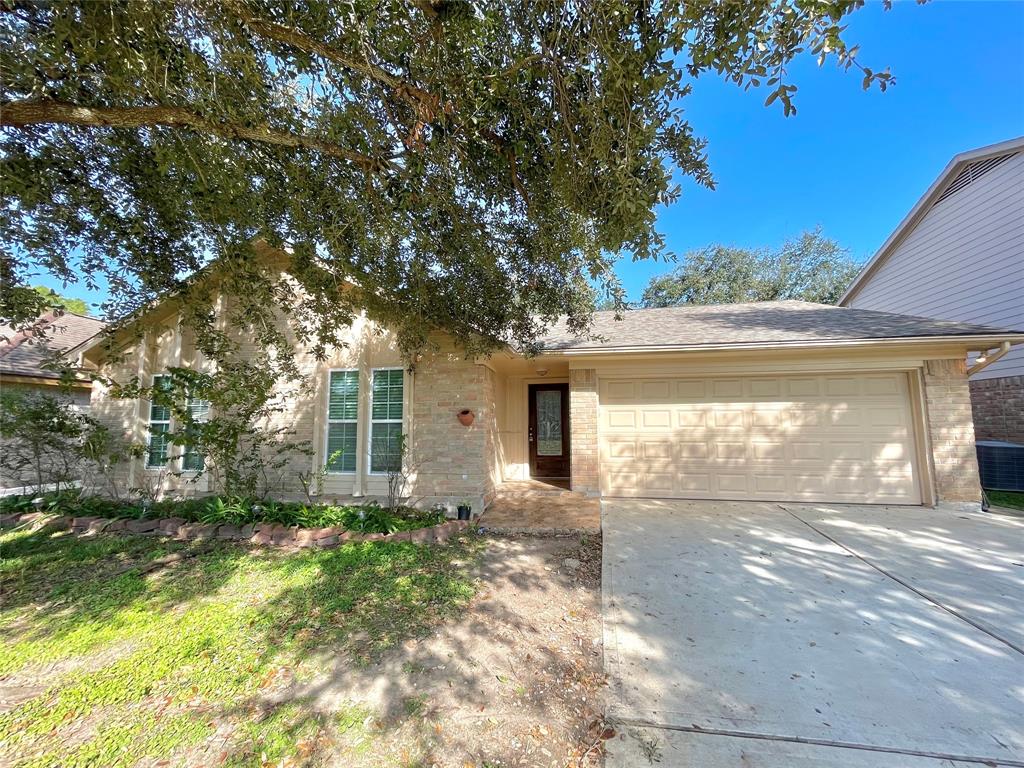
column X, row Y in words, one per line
column 29, row 360
column 959, row 255
column 27, row 356
column 775, row 401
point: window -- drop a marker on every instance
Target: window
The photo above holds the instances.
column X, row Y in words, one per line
column 342, row 414
column 386, row 419
column 159, row 424
column 192, row 460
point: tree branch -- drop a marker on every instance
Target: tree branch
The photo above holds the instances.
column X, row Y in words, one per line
column 21, row 114
column 425, row 104
column 420, row 99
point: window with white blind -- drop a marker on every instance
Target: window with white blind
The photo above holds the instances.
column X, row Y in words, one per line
column 191, row 459
column 159, row 425
column 386, row 405
column 342, row 418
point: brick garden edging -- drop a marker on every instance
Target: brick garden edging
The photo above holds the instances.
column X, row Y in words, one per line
column 261, row 534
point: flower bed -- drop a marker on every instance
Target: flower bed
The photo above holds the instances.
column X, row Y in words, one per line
column 282, row 524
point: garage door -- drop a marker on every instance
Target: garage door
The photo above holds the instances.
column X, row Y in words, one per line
column 843, row 438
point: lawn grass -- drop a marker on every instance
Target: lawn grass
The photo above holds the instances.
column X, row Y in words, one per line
column 134, row 666
column 1010, row 499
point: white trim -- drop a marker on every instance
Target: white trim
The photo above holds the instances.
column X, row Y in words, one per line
column 923, row 205
column 149, row 426
column 370, row 421
column 328, row 420
column 189, row 401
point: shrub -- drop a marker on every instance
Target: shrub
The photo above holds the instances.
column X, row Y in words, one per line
column 216, row 510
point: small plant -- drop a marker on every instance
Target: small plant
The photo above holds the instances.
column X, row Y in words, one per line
column 48, row 442
column 312, row 482
column 234, row 511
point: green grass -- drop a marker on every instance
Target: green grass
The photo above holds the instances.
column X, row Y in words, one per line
column 147, row 666
column 1010, row 499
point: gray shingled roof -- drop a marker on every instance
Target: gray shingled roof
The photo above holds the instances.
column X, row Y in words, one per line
column 754, row 323
column 27, row 354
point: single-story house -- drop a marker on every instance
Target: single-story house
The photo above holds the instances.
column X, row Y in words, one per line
column 27, row 355
column 30, row 358
column 785, row 401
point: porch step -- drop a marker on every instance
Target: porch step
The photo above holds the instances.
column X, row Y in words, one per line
column 534, row 530
column 555, row 493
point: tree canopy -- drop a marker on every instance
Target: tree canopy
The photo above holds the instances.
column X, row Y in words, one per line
column 54, row 299
column 809, row 268
column 470, row 167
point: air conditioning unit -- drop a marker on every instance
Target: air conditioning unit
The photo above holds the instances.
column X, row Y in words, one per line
column 1001, row 465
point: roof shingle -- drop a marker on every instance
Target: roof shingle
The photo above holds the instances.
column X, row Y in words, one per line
column 28, row 353
column 753, row 323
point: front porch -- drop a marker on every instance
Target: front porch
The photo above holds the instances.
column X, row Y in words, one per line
column 541, row 508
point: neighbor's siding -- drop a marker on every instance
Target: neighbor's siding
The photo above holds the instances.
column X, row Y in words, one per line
column 963, row 261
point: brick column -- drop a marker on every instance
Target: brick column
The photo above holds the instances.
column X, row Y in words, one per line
column 583, row 430
column 951, row 428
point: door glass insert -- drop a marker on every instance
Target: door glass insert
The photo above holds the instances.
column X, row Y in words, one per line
column 549, row 422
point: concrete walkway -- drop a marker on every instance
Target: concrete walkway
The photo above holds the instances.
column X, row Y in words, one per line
column 783, row 636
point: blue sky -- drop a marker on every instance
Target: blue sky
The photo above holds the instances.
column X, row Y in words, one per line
column 851, row 161
column 854, row 162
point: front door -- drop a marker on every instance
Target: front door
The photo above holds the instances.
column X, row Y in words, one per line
column 549, row 430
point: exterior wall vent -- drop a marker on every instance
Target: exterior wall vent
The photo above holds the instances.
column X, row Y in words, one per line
column 972, row 173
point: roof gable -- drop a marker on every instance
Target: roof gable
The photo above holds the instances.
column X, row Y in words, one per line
column 961, row 171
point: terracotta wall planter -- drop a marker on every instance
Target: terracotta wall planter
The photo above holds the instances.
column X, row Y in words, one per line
column 466, row 417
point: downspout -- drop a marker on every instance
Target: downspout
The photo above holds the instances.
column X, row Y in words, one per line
column 987, row 359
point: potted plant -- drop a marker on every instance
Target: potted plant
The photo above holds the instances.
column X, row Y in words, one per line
column 466, row 417
column 465, row 508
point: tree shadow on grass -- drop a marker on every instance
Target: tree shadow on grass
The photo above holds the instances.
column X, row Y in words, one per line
column 350, row 619
column 72, row 581
column 428, row 679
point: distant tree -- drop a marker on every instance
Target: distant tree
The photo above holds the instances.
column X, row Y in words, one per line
column 809, row 268
column 54, row 299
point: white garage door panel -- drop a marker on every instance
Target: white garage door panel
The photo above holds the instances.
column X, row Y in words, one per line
column 808, row 438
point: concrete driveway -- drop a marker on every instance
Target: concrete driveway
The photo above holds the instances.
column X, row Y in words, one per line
column 784, row 636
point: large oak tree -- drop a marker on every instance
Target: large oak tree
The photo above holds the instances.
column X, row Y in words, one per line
column 469, row 166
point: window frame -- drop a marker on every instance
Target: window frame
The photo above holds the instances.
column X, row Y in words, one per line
column 191, row 402
column 371, row 421
column 328, row 421
column 150, row 421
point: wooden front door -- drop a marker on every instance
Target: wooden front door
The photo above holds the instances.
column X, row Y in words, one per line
column 549, row 430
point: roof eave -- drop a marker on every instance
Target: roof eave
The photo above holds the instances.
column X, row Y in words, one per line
column 923, row 205
column 970, row 341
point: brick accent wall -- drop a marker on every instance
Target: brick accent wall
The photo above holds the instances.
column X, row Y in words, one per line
column 583, row 430
column 998, row 406
column 453, row 462
column 951, row 429
column 452, row 458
